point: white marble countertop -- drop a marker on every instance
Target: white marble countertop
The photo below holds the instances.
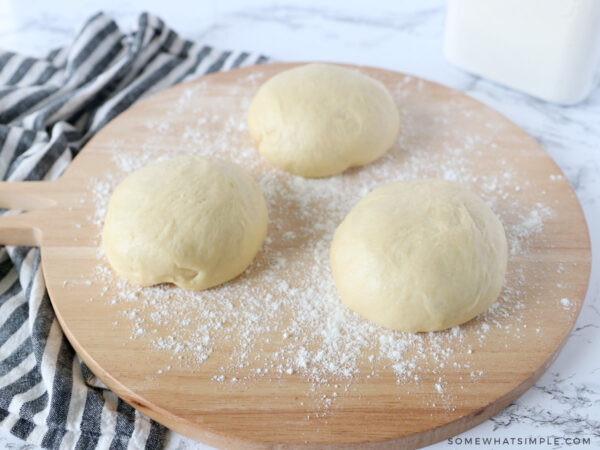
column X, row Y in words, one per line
column 404, row 36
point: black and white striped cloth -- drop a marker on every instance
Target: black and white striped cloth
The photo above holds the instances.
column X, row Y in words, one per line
column 49, row 108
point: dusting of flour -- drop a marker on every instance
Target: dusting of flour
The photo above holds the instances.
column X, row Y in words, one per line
column 283, row 316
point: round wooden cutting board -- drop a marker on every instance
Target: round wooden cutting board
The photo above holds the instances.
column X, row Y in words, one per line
column 456, row 385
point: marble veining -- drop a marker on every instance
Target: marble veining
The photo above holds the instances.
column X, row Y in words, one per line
column 405, row 36
column 565, row 407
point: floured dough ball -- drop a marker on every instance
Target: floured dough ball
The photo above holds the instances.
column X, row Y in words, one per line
column 318, row 120
column 419, row 256
column 193, row 221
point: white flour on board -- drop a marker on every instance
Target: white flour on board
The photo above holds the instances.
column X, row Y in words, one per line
column 283, row 316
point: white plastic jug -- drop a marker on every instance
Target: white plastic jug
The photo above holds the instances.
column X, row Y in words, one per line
column 546, row 48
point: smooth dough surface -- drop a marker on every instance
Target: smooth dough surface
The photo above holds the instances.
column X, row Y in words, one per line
column 193, row 221
column 419, row 255
column 318, row 120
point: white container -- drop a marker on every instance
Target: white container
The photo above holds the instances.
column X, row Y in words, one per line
column 546, row 48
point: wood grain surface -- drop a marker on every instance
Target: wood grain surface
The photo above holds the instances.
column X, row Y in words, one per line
column 376, row 412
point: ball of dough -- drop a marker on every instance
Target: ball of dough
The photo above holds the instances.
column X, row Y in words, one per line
column 318, row 120
column 193, row 221
column 419, row 256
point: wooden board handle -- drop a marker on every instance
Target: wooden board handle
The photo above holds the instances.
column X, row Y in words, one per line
column 35, row 197
column 27, row 195
column 21, row 229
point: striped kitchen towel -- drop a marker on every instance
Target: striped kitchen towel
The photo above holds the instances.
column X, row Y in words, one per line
column 49, row 108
